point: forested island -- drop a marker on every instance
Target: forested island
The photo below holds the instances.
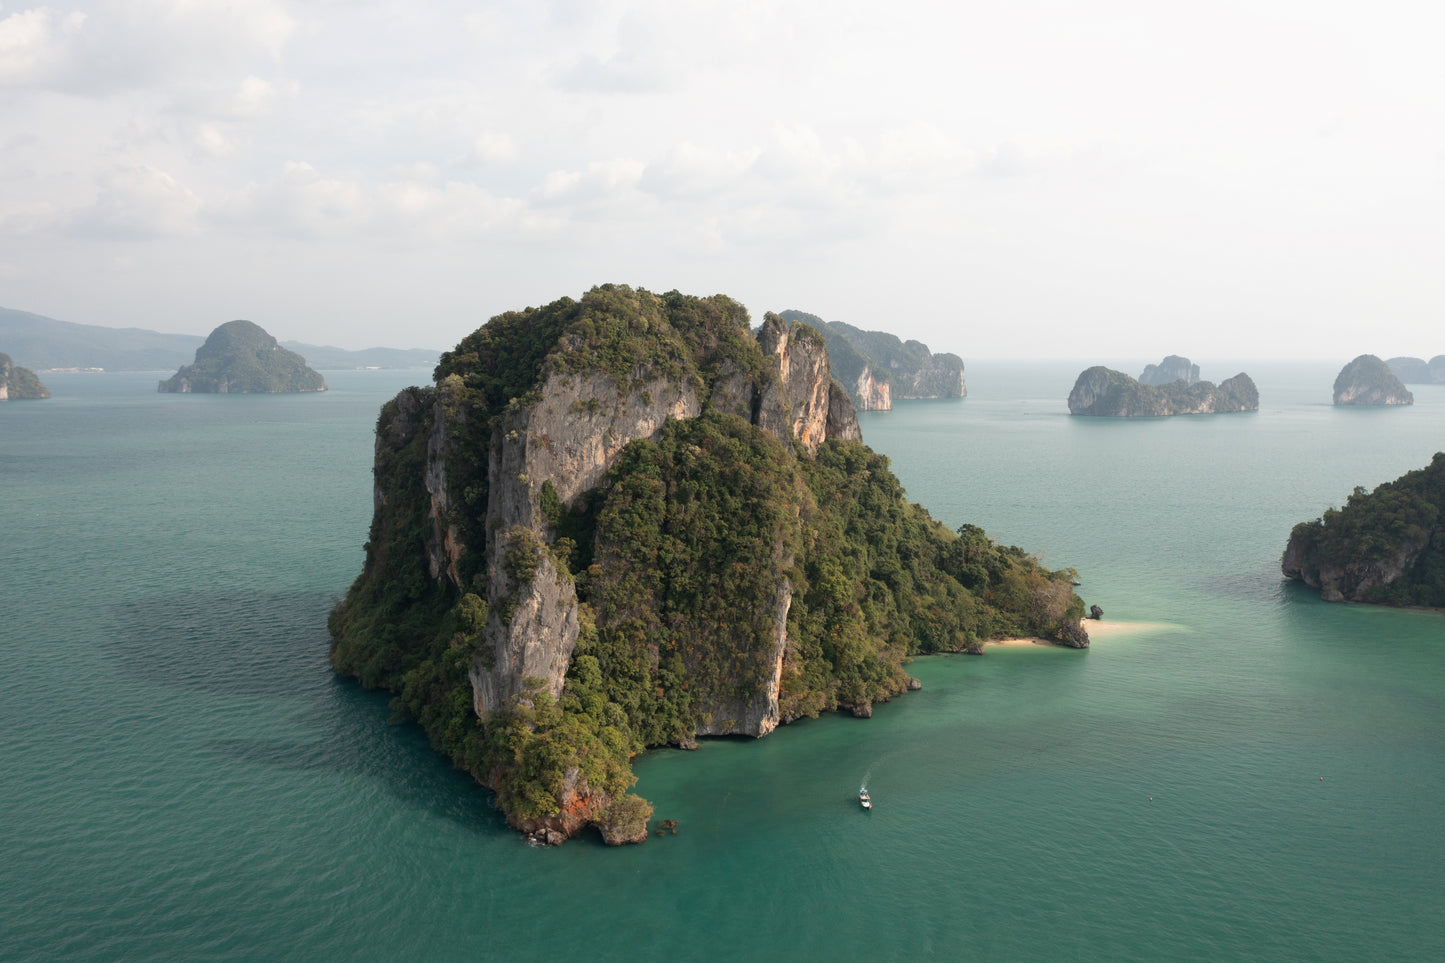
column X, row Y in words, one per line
column 1369, row 381
column 627, row 521
column 1104, row 392
column 1385, row 546
column 877, row 368
column 1418, row 371
column 17, row 382
column 239, row 357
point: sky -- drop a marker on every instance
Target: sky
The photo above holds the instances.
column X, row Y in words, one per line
column 997, row 178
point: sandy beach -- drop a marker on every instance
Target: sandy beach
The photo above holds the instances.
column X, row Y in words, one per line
column 1097, row 629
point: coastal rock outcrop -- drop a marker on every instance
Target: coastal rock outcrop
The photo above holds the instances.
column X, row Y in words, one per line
column 1385, row 546
column 1172, row 368
column 17, row 382
column 629, row 521
column 877, row 368
column 239, row 357
column 1418, row 371
column 1369, row 381
column 1104, row 392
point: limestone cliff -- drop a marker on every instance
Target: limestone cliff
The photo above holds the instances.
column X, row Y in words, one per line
column 1172, row 368
column 1385, row 546
column 625, row 521
column 17, row 383
column 876, row 367
column 1104, row 392
column 1369, row 381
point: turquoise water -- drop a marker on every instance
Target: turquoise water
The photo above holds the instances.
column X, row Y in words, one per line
column 181, row 776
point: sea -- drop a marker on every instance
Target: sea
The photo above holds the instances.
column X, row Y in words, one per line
column 1234, row 770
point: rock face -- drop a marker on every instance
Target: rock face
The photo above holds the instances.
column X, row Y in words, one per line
column 1368, row 381
column 1104, row 392
column 875, row 367
column 241, row 358
column 17, row 383
column 631, row 521
column 1172, row 368
column 1417, row 371
column 1387, row 546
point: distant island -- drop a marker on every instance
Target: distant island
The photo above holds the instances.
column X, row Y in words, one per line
column 629, row 521
column 1417, row 371
column 1387, row 546
column 17, row 383
column 241, row 358
column 1369, row 381
column 877, row 368
column 1172, row 368
column 46, row 344
column 1105, row 393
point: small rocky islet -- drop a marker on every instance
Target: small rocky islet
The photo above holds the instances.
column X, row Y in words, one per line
column 1102, row 392
column 17, row 383
column 1368, row 382
column 239, row 357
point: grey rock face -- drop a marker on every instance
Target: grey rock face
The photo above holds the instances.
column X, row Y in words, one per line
column 1172, row 368
column 1369, row 381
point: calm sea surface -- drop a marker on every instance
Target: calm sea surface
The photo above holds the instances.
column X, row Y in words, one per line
column 1252, row 775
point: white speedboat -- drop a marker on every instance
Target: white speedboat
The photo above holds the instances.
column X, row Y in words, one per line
column 863, row 799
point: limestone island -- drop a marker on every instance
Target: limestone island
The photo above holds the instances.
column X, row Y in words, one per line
column 1387, row 546
column 1417, row 371
column 1106, row 393
column 17, row 382
column 241, row 358
column 1368, row 381
column 1172, row 368
column 628, row 521
column 877, row 368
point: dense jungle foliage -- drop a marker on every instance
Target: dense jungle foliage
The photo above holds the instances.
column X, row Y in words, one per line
column 1395, row 518
column 678, row 560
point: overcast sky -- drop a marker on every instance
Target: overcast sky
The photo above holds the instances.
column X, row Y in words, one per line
column 1009, row 178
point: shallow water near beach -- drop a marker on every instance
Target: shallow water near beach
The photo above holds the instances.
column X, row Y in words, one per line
column 1253, row 774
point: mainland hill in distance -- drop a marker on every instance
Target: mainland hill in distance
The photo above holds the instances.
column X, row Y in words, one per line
column 1105, row 393
column 18, row 383
column 630, row 521
column 1368, row 381
column 45, row 344
column 877, row 368
column 241, row 358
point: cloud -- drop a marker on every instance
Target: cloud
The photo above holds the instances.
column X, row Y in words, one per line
column 138, row 203
column 127, row 44
column 301, row 202
column 36, row 44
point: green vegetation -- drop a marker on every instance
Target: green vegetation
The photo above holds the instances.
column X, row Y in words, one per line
column 908, row 366
column 1369, row 381
column 17, row 383
column 683, row 561
column 1104, row 392
column 241, row 358
column 1385, row 546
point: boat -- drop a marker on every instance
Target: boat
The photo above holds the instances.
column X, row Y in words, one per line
column 864, row 800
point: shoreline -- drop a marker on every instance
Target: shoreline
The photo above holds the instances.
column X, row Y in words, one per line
column 1097, row 630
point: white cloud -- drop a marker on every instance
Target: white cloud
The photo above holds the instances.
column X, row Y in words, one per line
column 138, row 203
column 34, row 44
